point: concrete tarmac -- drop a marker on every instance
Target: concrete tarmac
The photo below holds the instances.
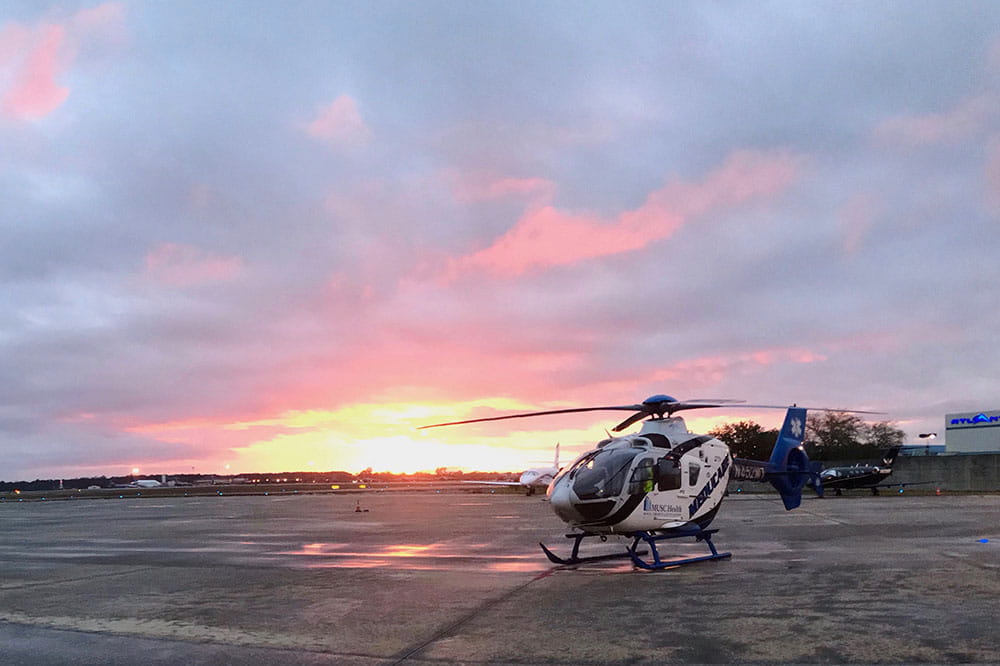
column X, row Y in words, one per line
column 457, row 578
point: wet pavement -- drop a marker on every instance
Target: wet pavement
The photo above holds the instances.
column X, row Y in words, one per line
column 456, row 577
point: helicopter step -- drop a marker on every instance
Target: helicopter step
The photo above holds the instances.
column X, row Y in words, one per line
column 633, row 552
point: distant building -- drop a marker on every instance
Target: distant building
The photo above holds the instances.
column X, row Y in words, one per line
column 973, row 432
column 910, row 450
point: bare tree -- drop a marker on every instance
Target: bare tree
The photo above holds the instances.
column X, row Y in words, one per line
column 746, row 439
column 843, row 436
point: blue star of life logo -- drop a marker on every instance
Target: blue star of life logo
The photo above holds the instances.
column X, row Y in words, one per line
column 796, row 426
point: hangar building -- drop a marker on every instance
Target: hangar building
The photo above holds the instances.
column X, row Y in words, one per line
column 973, row 432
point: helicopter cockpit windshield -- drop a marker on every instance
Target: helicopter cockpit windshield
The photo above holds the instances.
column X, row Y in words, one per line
column 602, row 474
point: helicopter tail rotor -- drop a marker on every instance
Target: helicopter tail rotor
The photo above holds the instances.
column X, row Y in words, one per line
column 789, row 468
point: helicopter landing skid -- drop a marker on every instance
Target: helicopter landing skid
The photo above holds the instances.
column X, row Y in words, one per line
column 634, row 552
column 657, row 563
column 575, row 558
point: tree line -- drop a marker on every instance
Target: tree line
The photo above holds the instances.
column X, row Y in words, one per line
column 829, row 436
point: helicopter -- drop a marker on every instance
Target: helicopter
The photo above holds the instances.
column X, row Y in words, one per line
column 664, row 482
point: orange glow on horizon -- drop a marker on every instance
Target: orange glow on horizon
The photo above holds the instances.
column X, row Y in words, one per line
column 385, row 438
column 380, row 436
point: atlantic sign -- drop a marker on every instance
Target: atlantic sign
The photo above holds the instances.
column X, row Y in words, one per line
column 973, row 419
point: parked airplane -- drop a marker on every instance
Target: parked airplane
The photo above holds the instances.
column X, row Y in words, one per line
column 863, row 476
column 540, row 477
column 534, row 479
column 138, row 483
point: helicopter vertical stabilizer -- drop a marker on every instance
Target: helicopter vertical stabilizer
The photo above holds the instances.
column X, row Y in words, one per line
column 789, row 468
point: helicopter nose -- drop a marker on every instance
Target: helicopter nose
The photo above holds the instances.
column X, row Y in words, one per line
column 572, row 510
column 561, row 501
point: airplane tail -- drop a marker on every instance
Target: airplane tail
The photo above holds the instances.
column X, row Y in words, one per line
column 890, row 455
column 789, row 468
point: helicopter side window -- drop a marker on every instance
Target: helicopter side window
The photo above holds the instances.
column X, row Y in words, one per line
column 694, row 469
column 642, row 478
column 669, row 475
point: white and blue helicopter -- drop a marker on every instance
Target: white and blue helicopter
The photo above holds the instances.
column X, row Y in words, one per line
column 665, row 482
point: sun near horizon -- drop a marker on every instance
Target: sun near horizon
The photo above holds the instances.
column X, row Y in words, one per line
column 381, row 436
column 385, row 437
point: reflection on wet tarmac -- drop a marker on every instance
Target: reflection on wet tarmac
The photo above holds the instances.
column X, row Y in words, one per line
column 517, row 566
column 409, row 550
column 414, row 556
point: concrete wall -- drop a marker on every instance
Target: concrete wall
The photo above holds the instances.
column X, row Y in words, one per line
column 968, row 472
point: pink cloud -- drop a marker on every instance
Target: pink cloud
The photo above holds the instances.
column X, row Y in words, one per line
column 709, row 371
column 340, row 123
column 546, row 236
column 32, row 58
column 549, row 237
column 477, row 187
column 30, row 89
column 967, row 119
column 185, row 265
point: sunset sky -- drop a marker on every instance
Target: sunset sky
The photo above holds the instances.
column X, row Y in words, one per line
column 279, row 236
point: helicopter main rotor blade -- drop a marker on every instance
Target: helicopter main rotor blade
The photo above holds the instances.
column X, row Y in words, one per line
column 721, row 401
column 654, row 406
column 811, row 409
column 638, row 416
column 575, row 410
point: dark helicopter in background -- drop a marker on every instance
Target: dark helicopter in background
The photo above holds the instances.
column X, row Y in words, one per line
column 664, row 482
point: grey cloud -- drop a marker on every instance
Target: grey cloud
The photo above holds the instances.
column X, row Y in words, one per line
column 193, row 134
